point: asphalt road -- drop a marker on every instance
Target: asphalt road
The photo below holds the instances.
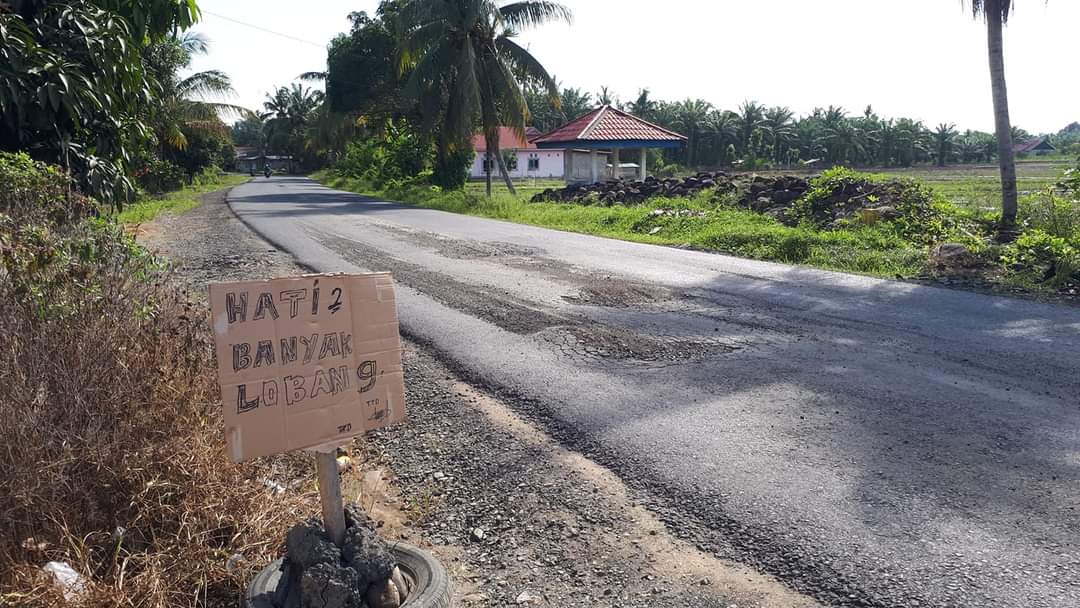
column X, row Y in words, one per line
column 872, row 442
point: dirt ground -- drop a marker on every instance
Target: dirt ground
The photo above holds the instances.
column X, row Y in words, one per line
column 516, row 518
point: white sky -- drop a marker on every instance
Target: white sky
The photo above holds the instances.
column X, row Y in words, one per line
column 927, row 60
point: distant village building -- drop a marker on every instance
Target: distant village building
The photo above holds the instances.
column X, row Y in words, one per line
column 1036, row 147
column 523, row 158
column 608, row 131
column 249, row 159
column 580, row 151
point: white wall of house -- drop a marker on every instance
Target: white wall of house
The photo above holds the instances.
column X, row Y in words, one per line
column 548, row 164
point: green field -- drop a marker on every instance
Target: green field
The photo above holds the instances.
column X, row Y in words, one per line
column 979, row 186
column 970, row 186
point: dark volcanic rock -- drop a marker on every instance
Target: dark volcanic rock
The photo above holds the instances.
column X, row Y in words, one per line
column 329, row 577
column 330, row 586
column 308, row 545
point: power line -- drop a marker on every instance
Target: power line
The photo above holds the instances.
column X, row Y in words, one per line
column 263, row 29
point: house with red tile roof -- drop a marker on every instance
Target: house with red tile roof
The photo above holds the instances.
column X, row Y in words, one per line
column 579, row 151
column 610, row 130
column 523, row 159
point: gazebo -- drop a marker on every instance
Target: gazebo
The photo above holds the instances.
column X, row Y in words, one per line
column 610, row 129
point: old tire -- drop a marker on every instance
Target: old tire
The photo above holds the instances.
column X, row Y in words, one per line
column 429, row 583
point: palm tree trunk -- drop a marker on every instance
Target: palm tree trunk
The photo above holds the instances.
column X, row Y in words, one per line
column 487, row 170
column 505, row 174
column 1006, row 158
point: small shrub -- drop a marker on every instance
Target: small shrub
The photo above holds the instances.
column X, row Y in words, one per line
column 451, row 169
column 1044, row 257
column 1052, row 213
column 158, row 176
column 33, row 191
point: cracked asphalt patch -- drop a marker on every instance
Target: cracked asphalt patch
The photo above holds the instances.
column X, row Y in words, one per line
column 573, row 336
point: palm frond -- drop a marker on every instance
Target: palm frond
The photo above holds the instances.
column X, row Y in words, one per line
column 205, row 84
column 531, row 13
column 465, row 97
column 505, row 95
column 313, row 76
column 193, row 43
column 523, row 61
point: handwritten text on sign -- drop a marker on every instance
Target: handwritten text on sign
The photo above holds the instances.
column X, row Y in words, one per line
column 307, row 360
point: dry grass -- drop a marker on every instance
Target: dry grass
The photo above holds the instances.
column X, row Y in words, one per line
column 113, row 457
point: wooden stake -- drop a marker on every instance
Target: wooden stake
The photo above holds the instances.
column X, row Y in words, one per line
column 333, row 508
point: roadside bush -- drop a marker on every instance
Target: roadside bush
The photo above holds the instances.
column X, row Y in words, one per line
column 158, row 176
column 114, row 459
column 1052, row 213
column 35, row 190
column 400, row 154
column 839, row 196
column 1046, row 257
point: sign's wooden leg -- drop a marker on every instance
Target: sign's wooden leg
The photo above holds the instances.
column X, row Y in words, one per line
column 330, row 495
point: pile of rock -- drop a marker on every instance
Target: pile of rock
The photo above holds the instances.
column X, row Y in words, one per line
column 757, row 192
column 362, row 573
column 622, row 192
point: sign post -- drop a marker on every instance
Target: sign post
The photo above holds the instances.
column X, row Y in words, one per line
column 333, row 508
column 308, row 362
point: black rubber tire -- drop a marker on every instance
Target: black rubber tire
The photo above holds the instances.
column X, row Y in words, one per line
column 428, row 580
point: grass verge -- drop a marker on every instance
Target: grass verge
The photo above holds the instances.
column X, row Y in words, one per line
column 696, row 223
column 177, row 202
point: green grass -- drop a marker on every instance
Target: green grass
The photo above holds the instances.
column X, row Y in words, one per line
column 526, row 188
column 978, row 187
column 179, row 201
column 876, row 250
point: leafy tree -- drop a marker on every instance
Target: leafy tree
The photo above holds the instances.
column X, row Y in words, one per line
column 467, row 68
column 606, row 98
column 249, row 132
column 721, row 130
column 74, row 89
column 777, row 123
column 996, row 14
column 362, row 77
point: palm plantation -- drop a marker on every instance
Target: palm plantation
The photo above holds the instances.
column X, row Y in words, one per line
column 463, row 58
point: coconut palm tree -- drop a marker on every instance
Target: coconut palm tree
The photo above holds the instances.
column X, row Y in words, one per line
column 690, row 117
column 465, row 62
column 644, row 106
column 751, row 116
column 190, row 103
column 575, row 103
column 944, row 139
column 722, row 130
column 996, row 14
column 289, row 113
column 777, row 123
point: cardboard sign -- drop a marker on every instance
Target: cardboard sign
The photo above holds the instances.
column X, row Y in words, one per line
column 305, row 361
